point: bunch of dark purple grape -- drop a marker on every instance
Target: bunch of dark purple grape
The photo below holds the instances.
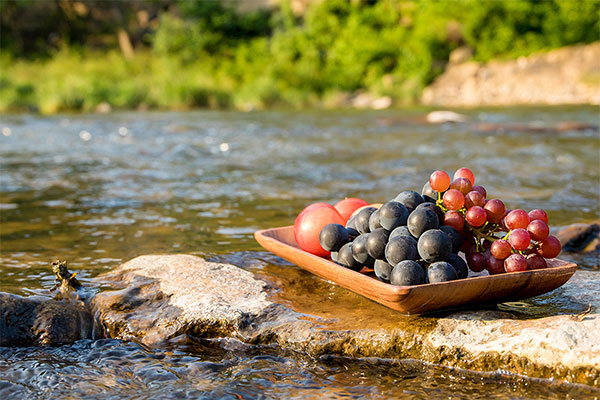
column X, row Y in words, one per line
column 404, row 241
column 416, row 238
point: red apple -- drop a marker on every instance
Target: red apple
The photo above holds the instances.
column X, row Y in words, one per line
column 347, row 206
column 309, row 224
column 310, row 207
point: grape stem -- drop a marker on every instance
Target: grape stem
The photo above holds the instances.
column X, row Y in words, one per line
column 478, row 245
column 440, row 203
column 480, row 234
column 477, row 232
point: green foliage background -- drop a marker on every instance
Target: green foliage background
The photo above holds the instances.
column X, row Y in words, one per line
column 205, row 54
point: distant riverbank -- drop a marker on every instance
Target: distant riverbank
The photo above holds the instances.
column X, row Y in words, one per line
column 103, row 83
column 182, row 54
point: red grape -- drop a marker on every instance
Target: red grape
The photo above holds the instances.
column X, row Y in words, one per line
column 515, row 263
column 467, row 245
column 517, row 219
column 476, row 216
column 550, row 247
column 519, row 239
column 465, row 173
column 495, row 266
column 463, row 185
column 495, row 210
column 453, row 199
column 535, row 261
column 538, row 215
column 477, row 262
column 439, row 181
column 480, row 189
column 454, row 219
column 501, row 249
column 538, row 230
column 502, row 224
column 474, row 198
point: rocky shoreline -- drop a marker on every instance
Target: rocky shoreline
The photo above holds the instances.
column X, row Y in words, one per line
column 178, row 295
column 570, row 75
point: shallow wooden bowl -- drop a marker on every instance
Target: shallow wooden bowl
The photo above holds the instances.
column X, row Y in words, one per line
column 421, row 298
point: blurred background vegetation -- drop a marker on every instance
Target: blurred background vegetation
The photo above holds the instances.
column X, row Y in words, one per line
column 59, row 55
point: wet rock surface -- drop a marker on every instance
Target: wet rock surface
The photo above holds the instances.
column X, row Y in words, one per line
column 580, row 237
column 27, row 321
column 556, row 335
column 164, row 296
column 563, row 76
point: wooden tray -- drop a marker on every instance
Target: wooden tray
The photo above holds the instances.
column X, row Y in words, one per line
column 421, row 298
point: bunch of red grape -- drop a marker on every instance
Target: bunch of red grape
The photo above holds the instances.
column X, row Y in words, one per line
column 493, row 237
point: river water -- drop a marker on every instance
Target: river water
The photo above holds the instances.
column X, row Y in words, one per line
column 97, row 190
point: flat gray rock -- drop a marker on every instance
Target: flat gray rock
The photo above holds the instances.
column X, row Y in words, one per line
column 165, row 296
column 162, row 297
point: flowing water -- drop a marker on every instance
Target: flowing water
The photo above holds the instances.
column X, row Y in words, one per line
column 98, row 190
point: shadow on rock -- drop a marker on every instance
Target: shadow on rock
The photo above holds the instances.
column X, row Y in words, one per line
column 34, row 321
